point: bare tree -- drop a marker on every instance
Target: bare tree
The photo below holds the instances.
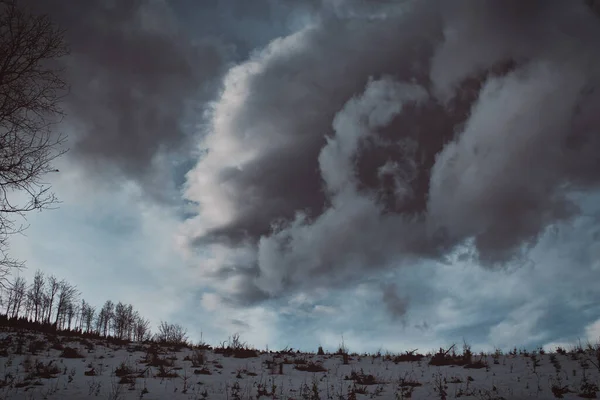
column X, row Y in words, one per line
column 105, row 318
column 36, row 294
column 70, row 313
column 18, row 292
column 51, row 289
column 87, row 316
column 142, row 329
column 120, row 320
column 67, row 294
column 31, row 88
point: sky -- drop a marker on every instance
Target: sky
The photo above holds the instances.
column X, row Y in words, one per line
column 395, row 174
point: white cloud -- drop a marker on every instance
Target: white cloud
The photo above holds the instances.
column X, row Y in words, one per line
column 592, row 332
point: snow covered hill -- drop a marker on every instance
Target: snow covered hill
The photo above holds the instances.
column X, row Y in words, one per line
column 39, row 366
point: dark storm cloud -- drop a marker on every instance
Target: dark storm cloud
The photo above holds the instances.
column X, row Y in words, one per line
column 133, row 74
column 142, row 71
column 300, row 83
column 381, row 136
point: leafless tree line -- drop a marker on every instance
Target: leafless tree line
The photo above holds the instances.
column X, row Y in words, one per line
column 58, row 303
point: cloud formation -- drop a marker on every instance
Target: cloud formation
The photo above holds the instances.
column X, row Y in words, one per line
column 379, row 136
column 134, row 74
column 141, row 73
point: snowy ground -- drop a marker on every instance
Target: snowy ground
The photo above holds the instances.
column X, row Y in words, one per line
column 34, row 366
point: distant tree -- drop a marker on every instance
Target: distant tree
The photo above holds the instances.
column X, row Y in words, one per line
column 36, row 295
column 121, row 320
column 52, row 289
column 100, row 318
column 18, row 291
column 142, row 329
column 72, row 309
column 130, row 317
column 66, row 296
column 31, row 87
column 105, row 318
column 28, row 306
column 45, row 307
column 87, row 317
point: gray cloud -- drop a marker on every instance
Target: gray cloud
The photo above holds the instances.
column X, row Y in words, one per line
column 141, row 73
column 134, row 74
column 301, row 102
column 381, row 136
column 396, row 305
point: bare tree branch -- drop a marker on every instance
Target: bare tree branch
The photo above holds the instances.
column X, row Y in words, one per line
column 31, row 88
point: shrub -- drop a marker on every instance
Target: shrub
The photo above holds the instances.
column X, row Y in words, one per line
column 203, row 371
column 171, row 334
column 236, row 352
column 127, row 379
column 408, row 356
column 57, row 346
column 311, row 367
column 123, row 370
column 36, row 346
column 559, row 390
column 361, row 378
column 449, row 357
column 45, row 371
column 69, row 352
column 154, row 360
column 197, row 358
column 164, row 372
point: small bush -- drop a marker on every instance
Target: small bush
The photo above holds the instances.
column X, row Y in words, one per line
column 245, row 353
column 203, row 371
column 311, row 367
column 476, row 365
column 123, row 370
column 171, row 334
column 361, row 378
column 241, row 352
column 45, row 371
column 69, row 352
column 57, row 346
column 153, row 359
column 197, row 358
column 21, row 384
column 87, row 344
column 559, row 391
column 409, row 382
column 588, row 390
column 164, row 372
column 127, row 379
column 449, row 357
column 36, row 346
column 408, row 356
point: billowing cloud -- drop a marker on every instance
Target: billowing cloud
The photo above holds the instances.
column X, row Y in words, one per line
column 380, row 136
column 134, row 73
column 141, row 72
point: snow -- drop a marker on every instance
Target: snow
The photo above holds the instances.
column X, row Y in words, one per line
column 275, row 375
